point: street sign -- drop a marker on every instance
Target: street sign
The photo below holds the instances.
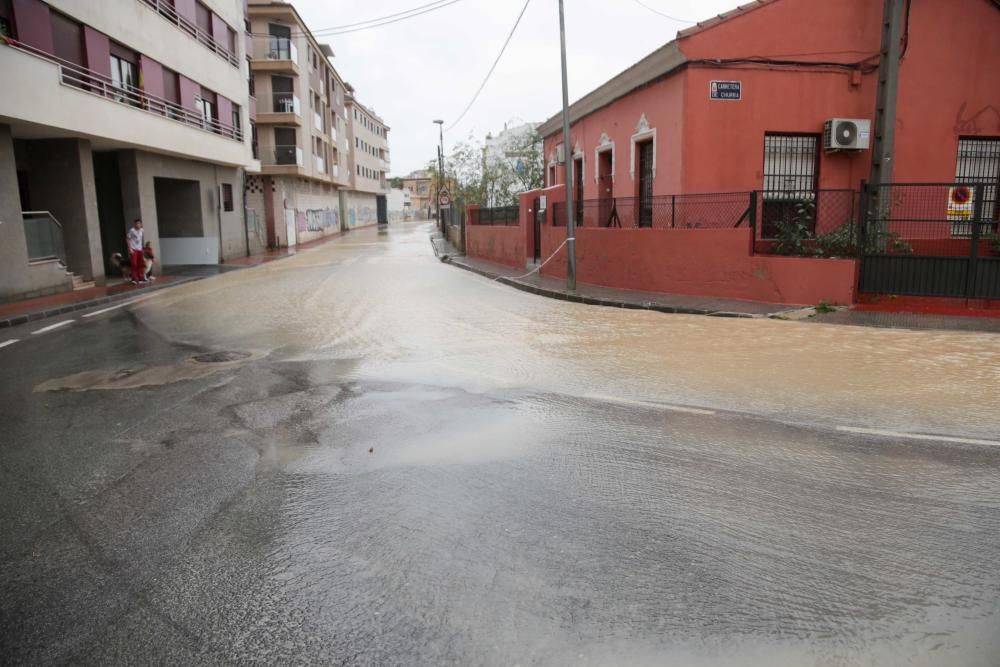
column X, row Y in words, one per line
column 444, row 198
column 960, row 202
column 725, row 90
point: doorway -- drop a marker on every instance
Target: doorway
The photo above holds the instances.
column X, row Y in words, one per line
column 604, row 186
column 644, row 184
column 110, row 211
column 578, row 190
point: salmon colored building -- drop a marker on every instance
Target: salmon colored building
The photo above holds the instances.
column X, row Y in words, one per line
column 732, row 161
column 796, row 64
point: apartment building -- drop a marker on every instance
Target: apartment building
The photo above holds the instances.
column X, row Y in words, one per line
column 301, row 128
column 368, row 163
column 421, row 186
column 113, row 111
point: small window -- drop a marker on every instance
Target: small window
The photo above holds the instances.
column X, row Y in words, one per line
column 790, row 180
column 6, row 19
column 227, row 197
column 979, row 164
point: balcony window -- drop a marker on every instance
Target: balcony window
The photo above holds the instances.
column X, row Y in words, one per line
column 67, row 38
column 6, row 19
column 285, row 146
column 237, row 119
column 231, row 40
column 124, row 74
column 203, row 18
column 280, row 44
column 207, row 106
column 253, row 141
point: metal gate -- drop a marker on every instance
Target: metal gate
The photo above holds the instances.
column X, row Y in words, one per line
column 931, row 240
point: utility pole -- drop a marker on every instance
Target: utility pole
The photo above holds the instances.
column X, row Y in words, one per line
column 441, row 181
column 568, row 161
column 888, row 86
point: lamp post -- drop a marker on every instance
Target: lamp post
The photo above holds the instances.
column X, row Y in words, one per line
column 440, row 124
column 568, row 160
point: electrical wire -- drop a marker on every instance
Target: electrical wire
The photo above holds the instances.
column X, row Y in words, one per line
column 666, row 16
column 490, row 73
column 372, row 23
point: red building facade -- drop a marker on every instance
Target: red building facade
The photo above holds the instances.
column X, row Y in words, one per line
column 798, row 63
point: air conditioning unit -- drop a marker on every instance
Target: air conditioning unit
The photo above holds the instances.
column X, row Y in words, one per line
column 847, row 134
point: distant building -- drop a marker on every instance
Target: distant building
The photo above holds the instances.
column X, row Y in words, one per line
column 420, row 185
column 512, row 143
column 368, row 162
column 113, row 111
column 301, row 128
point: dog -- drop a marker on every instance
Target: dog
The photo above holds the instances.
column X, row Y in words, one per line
column 124, row 265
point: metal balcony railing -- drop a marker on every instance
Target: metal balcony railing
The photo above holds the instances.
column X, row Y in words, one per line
column 275, row 48
column 95, row 83
column 44, row 236
column 279, row 103
column 281, row 156
column 166, row 9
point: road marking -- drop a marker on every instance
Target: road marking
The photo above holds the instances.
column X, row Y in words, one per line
column 918, row 436
column 108, row 310
column 9, row 342
column 53, row 326
column 647, row 404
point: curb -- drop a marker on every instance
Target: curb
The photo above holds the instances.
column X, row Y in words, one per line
column 597, row 301
column 17, row 320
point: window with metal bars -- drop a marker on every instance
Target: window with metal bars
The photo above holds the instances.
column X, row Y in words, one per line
column 979, row 164
column 790, row 181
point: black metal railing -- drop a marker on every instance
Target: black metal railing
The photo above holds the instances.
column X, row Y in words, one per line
column 696, row 211
column 499, row 215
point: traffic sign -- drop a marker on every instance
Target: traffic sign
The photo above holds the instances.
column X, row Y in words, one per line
column 444, row 198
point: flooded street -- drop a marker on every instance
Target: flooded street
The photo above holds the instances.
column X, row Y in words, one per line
column 400, row 462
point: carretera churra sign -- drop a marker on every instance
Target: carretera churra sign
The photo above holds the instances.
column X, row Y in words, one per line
column 725, row 90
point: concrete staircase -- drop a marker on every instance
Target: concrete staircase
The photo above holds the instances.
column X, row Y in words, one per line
column 79, row 283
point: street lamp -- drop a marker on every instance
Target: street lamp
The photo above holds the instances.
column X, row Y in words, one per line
column 440, row 124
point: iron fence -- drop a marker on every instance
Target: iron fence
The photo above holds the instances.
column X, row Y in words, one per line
column 931, row 239
column 499, row 215
column 696, row 211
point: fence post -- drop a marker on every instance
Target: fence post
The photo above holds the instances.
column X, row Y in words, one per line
column 862, row 218
column 673, row 210
column 753, row 222
column 977, row 218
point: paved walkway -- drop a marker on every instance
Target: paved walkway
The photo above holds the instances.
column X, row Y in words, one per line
column 698, row 305
column 29, row 310
column 608, row 296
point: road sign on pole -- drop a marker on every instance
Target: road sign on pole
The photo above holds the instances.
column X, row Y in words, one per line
column 444, row 198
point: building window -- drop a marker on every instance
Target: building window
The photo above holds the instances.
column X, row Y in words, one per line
column 67, row 38
column 231, row 40
column 227, row 197
column 237, row 119
column 253, row 141
column 124, row 74
column 790, row 180
column 203, row 18
column 6, row 19
column 285, row 146
column 979, row 164
column 208, row 108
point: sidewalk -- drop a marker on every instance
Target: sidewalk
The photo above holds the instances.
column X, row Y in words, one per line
column 30, row 310
column 607, row 296
column 695, row 305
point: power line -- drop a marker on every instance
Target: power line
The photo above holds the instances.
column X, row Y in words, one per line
column 382, row 18
column 372, row 23
column 490, row 73
column 666, row 16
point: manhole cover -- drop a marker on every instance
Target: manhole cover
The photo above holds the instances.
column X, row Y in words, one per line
column 220, row 357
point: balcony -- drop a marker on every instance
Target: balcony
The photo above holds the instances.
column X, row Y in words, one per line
column 274, row 54
column 165, row 8
column 282, row 160
column 81, row 79
column 279, row 109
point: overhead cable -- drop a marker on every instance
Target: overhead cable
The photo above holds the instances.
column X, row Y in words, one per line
column 666, row 16
column 490, row 73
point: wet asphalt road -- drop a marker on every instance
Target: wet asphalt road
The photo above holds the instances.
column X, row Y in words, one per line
column 407, row 464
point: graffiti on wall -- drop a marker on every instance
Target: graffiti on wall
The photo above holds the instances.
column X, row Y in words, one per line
column 361, row 215
column 317, row 220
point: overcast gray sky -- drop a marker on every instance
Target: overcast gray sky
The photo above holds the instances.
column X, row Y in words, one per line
column 428, row 67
